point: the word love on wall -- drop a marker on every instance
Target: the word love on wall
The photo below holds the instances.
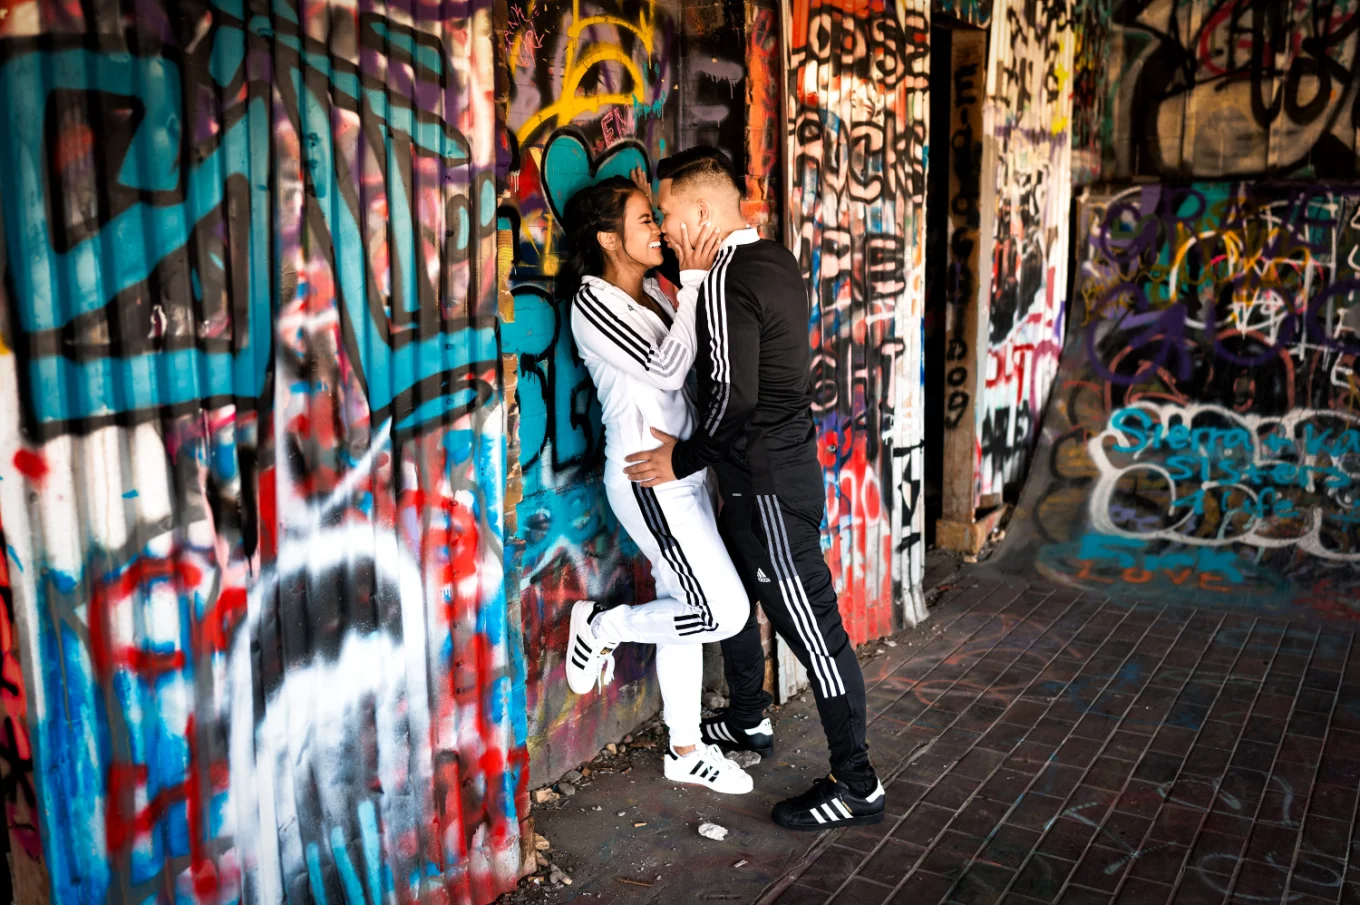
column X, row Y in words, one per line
column 1204, row 443
column 252, row 452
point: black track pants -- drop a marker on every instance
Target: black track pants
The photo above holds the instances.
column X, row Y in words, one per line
column 776, row 546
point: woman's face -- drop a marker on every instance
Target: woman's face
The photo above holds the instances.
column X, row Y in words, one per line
column 641, row 235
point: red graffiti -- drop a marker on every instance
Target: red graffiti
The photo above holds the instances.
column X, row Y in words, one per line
column 268, row 520
column 122, row 824
column 31, row 465
column 75, row 143
column 109, row 592
column 617, row 124
column 219, row 621
column 202, row 868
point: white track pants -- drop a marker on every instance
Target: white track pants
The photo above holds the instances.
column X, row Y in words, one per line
column 700, row 597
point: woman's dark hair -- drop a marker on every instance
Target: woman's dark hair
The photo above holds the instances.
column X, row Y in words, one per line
column 594, row 209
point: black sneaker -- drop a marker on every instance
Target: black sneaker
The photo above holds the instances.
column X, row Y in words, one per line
column 719, row 730
column 829, row 805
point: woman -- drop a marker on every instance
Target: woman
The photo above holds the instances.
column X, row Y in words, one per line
column 638, row 350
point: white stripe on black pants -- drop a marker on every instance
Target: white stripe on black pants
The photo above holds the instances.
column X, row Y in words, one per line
column 699, row 595
column 773, row 539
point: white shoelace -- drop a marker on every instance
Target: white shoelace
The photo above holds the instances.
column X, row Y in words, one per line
column 714, row 755
column 607, row 672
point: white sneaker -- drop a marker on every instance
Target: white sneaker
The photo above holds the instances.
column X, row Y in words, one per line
column 706, row 766
column 590, row 661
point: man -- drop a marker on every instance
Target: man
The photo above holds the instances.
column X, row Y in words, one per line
column 754, row 429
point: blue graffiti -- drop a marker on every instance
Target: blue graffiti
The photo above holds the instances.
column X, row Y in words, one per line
column 1132, row 553
column 560, row 430
column 568, row 165
column 170, row 198
column 557, row 404
column 1144, row 433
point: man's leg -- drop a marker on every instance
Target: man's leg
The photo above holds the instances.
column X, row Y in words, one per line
column 810, row 621
column 743, row 654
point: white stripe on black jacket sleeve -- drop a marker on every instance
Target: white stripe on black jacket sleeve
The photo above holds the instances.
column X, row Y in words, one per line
column 728, row 364
column 599, row 327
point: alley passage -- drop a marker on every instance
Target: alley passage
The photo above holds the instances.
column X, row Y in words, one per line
column 1087, row 751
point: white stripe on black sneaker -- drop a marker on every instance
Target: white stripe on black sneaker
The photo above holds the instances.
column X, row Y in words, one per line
column 840, row 806
column 816, row 816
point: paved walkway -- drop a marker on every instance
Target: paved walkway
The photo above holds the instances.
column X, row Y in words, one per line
column 1085, row 752
column 1040, row 746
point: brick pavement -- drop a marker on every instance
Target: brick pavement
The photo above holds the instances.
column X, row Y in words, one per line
column 1055, row 747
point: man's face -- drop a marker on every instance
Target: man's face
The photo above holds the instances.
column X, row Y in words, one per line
column 678, row 208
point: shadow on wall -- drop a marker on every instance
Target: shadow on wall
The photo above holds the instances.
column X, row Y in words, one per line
column 252, row 452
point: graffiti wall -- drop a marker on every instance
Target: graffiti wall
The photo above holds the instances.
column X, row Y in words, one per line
column 1204, row 442
column 977, row 13
column 1224, row 89
column 591, row 90
column 25, row 879
column 764, row 129
column 957, row 280
column 252, row 452
column 713, row 77
column 1091, row 23
column 1026, row 194
column 856, row 143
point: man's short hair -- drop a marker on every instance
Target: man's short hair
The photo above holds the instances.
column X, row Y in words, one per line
column 696, row 167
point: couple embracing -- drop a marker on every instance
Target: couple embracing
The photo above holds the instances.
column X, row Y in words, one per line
column 741, row 323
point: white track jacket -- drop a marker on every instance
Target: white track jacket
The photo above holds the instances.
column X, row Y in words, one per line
column 639, row 364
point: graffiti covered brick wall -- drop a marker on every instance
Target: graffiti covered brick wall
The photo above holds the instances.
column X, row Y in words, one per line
column 856, row 141
column 252, row 451
column 590, row 90
column 1205, row 438
column 713, row 77
column 1026, row 197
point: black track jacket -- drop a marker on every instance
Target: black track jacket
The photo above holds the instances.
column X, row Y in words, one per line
column 754, row 421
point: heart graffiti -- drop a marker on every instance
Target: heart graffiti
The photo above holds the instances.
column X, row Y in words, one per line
column 569, row 166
